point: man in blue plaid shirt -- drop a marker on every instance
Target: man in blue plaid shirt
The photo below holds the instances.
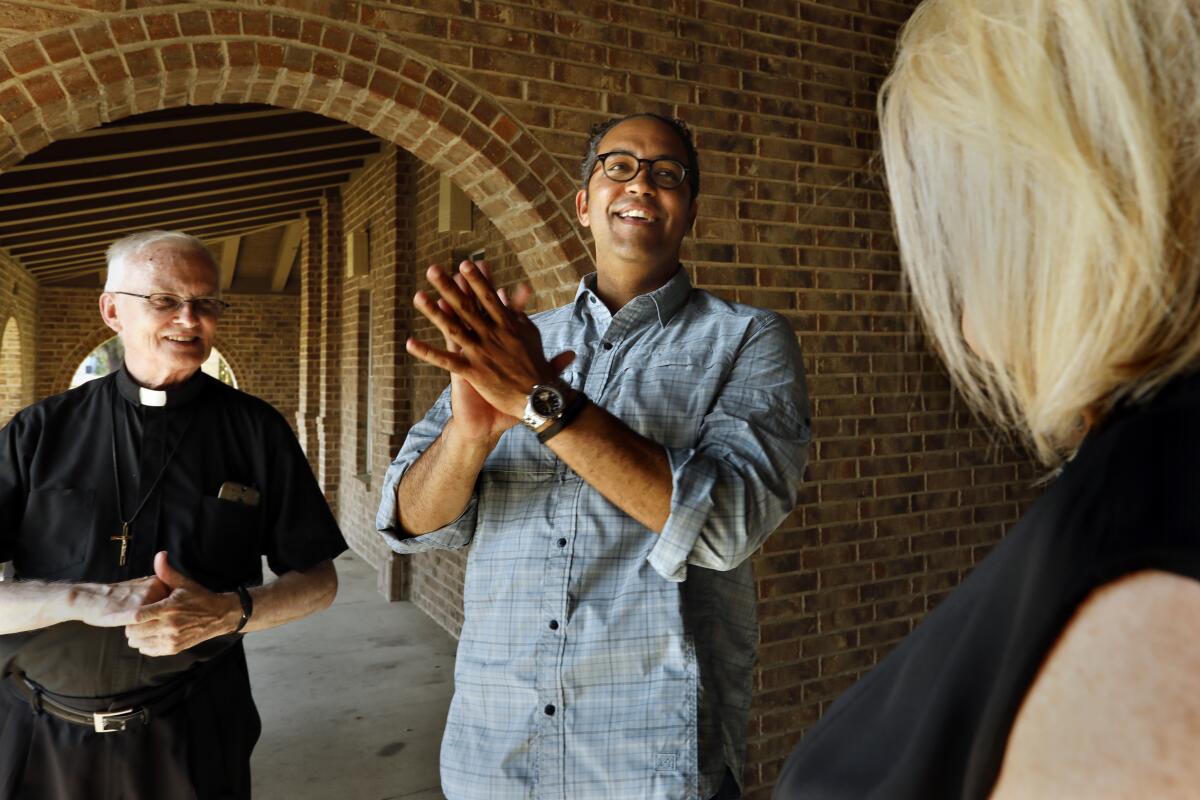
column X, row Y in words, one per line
column 611, row 495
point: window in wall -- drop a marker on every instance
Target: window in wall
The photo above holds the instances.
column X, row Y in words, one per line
column 364, row 366
column 109, row 355
column 11, row 383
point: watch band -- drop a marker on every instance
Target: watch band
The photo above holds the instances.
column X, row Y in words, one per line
column 247, row 607
column 577, row 405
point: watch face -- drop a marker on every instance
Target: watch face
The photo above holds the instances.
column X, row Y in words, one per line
column 546, row 401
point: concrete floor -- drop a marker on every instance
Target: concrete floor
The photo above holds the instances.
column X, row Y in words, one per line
column 353, row 700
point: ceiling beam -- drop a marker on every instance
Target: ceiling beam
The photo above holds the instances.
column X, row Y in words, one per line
column 211, row 233
column 196, row 134
column 208, row 159
column 218, row 205
column 102, row 234
column 229, row 256
column 196, row 177
column 150, row 199
column 288, row 246
column 237, row 116
column 239, row 224
column 322, row 134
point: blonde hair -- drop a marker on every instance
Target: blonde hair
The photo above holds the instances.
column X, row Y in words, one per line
column 1043, row 159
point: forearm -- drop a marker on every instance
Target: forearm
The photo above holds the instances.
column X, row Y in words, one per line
column 30, row 605
column 438, row 486
column 629, row 470
column 291, row 596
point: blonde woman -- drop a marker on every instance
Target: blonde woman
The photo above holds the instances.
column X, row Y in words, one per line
column 1043, row 159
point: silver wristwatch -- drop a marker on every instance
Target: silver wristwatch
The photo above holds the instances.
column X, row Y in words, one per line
column 545, row 404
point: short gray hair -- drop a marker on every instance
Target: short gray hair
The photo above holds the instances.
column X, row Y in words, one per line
column 123, row 249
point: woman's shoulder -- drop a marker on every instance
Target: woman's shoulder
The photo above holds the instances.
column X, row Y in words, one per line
column 1115, row 708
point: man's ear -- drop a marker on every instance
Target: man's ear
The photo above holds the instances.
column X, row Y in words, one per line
column 108, row 311
column 581, row 208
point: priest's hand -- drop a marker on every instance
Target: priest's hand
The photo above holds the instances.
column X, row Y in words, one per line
column 190, row 614
column 109, row 605
column 493, row 351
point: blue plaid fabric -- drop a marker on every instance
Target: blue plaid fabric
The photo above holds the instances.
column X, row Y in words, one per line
column 597, row 658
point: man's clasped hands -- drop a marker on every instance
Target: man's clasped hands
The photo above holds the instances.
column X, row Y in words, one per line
column 493, row 351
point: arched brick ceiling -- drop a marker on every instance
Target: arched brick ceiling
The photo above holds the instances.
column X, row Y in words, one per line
column 235, row 175
column 136, row 60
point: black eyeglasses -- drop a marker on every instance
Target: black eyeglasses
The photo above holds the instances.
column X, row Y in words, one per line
column 169, row 303
column 622, row 167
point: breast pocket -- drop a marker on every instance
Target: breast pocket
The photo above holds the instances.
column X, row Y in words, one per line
column 225, row 550
column 665, row 398
column 56, row 534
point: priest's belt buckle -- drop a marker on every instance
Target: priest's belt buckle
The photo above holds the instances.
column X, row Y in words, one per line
column 117, row 721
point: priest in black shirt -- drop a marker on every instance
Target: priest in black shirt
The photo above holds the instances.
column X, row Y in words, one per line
column 136, row 510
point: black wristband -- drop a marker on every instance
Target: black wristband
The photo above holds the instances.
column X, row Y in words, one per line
column 247, row 607
column 578, row 404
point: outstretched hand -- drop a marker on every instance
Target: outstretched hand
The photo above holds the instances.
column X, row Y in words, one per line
column 187, row 616
column 111, row 605
column 493, row 351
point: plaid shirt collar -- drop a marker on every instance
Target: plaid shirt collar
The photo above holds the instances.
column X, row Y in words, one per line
column 663, row 302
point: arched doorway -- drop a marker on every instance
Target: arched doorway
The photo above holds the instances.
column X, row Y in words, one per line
column 107, row 357
column 12, row 379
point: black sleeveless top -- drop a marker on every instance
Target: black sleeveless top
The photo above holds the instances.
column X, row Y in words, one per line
column 932, row 719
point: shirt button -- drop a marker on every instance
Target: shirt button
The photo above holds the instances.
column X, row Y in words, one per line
column 591, row 298
column 562, row 542
column 549, row 711
column 553, row 624
column 607, row 345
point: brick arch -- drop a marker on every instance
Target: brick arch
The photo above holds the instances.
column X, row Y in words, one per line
column 12, row 377
column 139, row 61
column 95, row 337
column 239, row 366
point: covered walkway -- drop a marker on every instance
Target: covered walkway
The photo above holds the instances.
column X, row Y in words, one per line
column 353, row 700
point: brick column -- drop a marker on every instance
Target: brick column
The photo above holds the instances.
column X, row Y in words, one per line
column 328, row 338
column 395, row 293
column 308, row 353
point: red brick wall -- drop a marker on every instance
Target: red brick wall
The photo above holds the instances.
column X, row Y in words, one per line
column 905, row 492
column 437, row 577
column 259, row 337
column 395, row 199
column 69, row 327
column 378, row 201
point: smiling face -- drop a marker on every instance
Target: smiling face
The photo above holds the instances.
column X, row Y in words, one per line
column 638, row 227
column 163, row 348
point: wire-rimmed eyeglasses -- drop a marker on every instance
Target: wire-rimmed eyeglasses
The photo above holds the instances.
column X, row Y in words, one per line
column 165, row 303
column 622, row 167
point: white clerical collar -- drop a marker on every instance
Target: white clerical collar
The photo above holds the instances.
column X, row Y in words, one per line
column 152, row 397
column 159, row 398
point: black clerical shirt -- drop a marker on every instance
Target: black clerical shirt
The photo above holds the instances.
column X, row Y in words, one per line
column 59, row 512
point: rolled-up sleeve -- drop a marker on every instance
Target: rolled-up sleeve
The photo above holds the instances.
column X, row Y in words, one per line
column 453, row 536
column 743, row 477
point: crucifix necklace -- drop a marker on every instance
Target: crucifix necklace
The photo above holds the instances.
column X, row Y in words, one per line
column 126, row 535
